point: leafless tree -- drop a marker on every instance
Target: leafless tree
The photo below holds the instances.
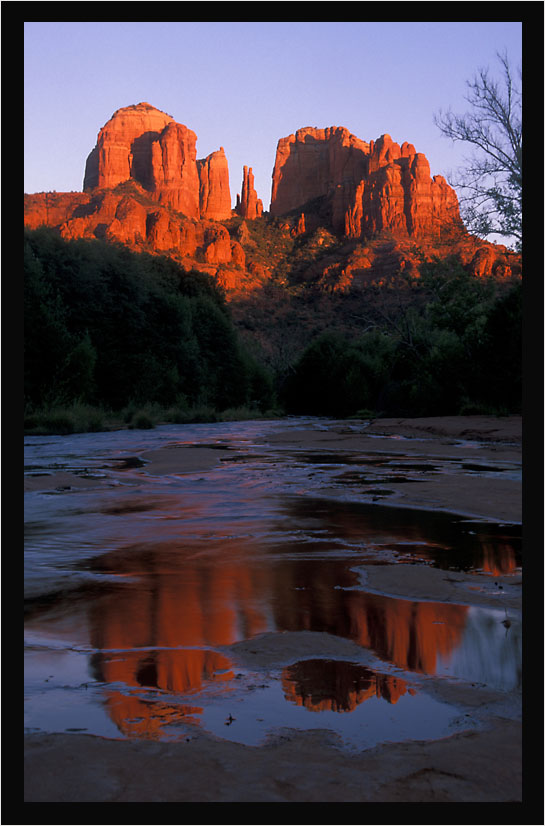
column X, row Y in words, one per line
column 490, row 185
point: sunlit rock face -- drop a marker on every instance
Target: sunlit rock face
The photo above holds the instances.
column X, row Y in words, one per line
column 215, row 195
column 129, row 225
column 144, row 187
column 317, row 163
column 248, row 204
column 362, row 188
column 142, row 144
column 123, row 148
column 174, row 174
column 52, row 208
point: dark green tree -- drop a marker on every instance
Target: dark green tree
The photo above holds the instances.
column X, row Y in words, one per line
column 109, row 326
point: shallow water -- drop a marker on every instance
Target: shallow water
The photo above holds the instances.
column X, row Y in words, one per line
column 135, row 590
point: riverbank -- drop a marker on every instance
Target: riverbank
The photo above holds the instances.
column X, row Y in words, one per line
column 493, row 445
column 479, row 762
column 297, row 767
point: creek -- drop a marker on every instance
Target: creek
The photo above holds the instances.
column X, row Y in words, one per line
column 139, row 589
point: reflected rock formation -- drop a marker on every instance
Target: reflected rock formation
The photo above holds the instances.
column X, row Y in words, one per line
column 336, row 685
column 185, row 602
column 144, row 626
column 446, row 541
column 181, row 671
column 498, row 559
column 177, row 672
column 175, row 600
column 145, row 719
column 411, row 635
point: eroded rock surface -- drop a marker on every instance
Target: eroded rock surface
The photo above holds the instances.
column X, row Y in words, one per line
column 364, row 188
column 363, row 212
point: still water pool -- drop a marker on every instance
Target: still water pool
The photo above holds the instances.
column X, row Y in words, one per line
column 136, row 589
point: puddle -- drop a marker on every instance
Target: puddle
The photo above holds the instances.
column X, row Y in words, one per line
column 362, row 717
column 176, row 695
column 133, row 591
column 147, row 644
column 442, row 540
column 337, row 685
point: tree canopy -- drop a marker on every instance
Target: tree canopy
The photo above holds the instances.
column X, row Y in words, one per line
column 107, row 326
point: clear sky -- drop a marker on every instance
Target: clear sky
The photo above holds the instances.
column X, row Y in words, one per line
column 245, row 85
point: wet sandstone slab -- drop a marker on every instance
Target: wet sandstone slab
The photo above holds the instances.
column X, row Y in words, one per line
column 299, row 766
column 491, row 442
column 294, row 767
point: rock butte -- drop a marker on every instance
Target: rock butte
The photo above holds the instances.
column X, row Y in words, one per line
column 363, row 187
column 144, row 187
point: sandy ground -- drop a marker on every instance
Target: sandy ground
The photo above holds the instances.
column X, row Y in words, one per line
column 479, row 439
column 179, row 459
column 483, row 428
column 482, row 763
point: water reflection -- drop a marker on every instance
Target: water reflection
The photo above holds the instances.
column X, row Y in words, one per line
column 181, row 671
column 154, row 627
column 196, row 563
column 174, row 672
column 167, row 605
column 173, row 600
column 147, row 719
column 444, row 540
column 337, row 685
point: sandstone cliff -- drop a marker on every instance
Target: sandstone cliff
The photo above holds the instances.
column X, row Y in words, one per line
column 215, row 196
column 123, row 147
column 361, row 188
column 345, row 213
column 142, row 144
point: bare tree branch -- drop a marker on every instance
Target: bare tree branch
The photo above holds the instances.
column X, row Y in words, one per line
column 491, row 182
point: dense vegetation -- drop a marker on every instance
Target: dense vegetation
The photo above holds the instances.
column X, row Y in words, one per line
column 118, row 330
column 109, row 331
column 455, row 349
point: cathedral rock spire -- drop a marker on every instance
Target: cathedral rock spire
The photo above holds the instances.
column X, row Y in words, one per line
column 248, row 204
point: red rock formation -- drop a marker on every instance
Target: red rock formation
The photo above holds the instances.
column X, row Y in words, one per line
column 91, row 220
column 214, row 195
column 300, row 229
column 129, row 225
column 312, row 163
column 143, row 144
column 238, row 256
column 123, row 147
column 218, row 246
column 492, row 260
column 174, row 175
column 145, row 188
column 248, row 204
column 52, row 208
column 259, row 272
column 162, row 232
column 363, row 188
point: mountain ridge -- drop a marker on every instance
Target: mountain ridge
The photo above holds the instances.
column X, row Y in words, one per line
column 332, row 192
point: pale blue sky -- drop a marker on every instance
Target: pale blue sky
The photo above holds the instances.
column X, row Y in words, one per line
column 245, row 85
